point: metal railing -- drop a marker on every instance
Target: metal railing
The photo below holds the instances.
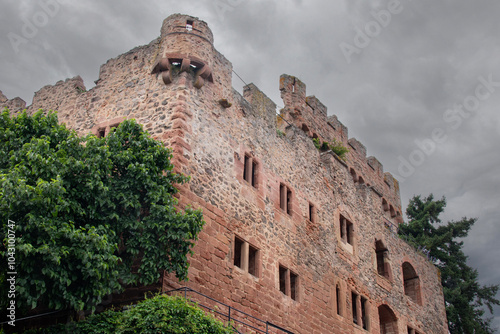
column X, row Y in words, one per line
column 229, row 313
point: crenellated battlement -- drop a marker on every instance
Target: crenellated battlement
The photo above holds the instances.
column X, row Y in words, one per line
column 310, row 115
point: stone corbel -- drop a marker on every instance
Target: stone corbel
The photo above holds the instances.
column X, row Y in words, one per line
column 203, row 71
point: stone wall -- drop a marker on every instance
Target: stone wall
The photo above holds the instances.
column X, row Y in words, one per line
column 293, row 235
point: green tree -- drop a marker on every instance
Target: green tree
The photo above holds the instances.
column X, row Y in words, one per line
column 464, row 296
column 91, row 214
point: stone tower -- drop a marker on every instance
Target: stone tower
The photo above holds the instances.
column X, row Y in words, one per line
column 186, row 46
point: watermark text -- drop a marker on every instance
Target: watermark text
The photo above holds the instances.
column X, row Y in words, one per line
column 11, row 272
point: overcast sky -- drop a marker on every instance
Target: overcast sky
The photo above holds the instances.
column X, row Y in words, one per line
column 418, row 82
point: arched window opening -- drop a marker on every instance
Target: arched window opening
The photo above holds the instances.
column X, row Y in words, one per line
column 354, row 176
column 305, row 128
column 385, row 205
column 388, row 320
column 393, row 212
column 411, row 283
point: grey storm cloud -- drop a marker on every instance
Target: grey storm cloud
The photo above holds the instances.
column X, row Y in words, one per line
column 392, row 93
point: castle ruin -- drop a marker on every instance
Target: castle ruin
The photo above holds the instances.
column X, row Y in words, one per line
column 294, row 234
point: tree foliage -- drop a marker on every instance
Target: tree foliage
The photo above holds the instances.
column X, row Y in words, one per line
column 161, row 314
column 464, row 296
column 91, row 214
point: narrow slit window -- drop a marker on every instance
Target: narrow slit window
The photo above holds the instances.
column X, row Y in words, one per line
column 254, row 174
column 288, row 282
column 285, row 199
column 346, row 231
column 293, row 285
column 288, row 201
column 364, row 313
column 246, row 168
column 311, row 213
column 282, row 273
column 250, row 170
column 337, row 296
column 252, row 260
column 238, row 245
column 282, row 196
column 354, row 303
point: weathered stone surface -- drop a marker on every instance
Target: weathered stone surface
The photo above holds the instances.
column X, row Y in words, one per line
column 213, row 142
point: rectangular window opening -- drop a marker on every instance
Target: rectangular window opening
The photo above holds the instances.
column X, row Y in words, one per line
column 254, row 174
column 189, row 25
column 311, row 212
column 282, row 196
column 342, row 228
column 346, row 230
column 364, row 319
column 350, row 230
column 337, row 296
column 288, row 201
column 282, row 273
column 252, row 260
column 238, row 245
column 354, row 302
column 250, row 171
column 285, row 199
column 101, row 133
column 246, row 171
column 380, row 263
column 293, row 285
